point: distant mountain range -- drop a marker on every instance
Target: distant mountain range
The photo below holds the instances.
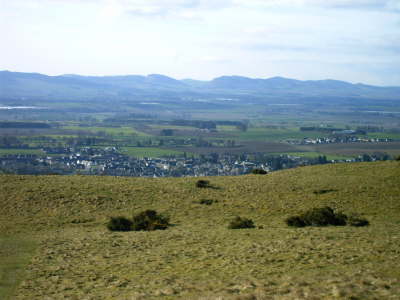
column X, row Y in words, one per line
column 19, row 86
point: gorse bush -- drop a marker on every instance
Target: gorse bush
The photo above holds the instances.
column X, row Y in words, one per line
column 354, row 220
column 119, row 224
column 202, row 183
column 207, row 201
column 295, row 221
column 259, row 171
column 323, row 217
column 317, row 217
column 146, row 220
column 240, row 223
column 149, row 220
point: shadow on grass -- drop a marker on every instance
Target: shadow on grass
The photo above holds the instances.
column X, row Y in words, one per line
column 321, row 192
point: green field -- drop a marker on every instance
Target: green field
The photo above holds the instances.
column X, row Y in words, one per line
column 314, row 155
column 157, row 126
column 149, row 152
column 116, row 131
column 354, row 149
column 76, row 257
column 21, row 151
column 384, row 135
column 269, row 134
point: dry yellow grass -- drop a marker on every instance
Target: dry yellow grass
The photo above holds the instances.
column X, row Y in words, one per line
column 199, row 258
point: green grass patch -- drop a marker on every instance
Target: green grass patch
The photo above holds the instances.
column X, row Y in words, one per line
column 15, row 253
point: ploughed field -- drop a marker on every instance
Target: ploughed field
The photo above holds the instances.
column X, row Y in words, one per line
column 54, row 243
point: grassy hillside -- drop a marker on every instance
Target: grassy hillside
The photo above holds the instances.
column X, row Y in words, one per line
column 55, row 245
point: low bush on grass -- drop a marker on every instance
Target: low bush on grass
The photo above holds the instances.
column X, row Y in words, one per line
column 119, row 224
column 323, row 217
column 258, row 172
column 318, row 217
column 150, row 220
column 206, row 201
column 295, row 221
column 357, row 221
column 240, row 223
column 321, row 192
column 203, row 183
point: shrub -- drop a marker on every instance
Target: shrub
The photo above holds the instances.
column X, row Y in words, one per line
column 318, row 217
column 398, row 158
column 239, row 223
column 259, row 171
column 322, row 217
column 206, row 201
column 357, row 221
column 119, row 224
column 202, row 183
column 320, row 192
column 150, row 220
column 295, row 221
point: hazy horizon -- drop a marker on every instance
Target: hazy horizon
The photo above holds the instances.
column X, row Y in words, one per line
column 191, row 78
column 357, row 41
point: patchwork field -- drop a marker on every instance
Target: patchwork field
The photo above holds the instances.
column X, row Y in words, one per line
column 351, row 149
column 55, row 245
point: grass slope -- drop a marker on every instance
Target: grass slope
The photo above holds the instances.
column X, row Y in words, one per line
column 199, row 258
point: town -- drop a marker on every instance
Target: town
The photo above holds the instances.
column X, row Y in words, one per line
column 110, row 161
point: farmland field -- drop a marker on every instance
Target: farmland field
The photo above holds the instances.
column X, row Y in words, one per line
column 108, row 130
column 314, row 155
column 149, row 152
column 351, row 149
column 272, row 134
column 21, row 151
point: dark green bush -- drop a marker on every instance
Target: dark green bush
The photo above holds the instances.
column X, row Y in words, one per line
column 357, row 221
column 202, row 183
column 324, row 191
column 206, row 201
column 318, row 217
column 259, row 171
column 322, row 217
column 295, row 221
column 119, row 224
column 239, row 223
column 398, row 158
column 149, row 220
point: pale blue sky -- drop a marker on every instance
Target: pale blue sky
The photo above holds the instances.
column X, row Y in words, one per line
column 356, row 41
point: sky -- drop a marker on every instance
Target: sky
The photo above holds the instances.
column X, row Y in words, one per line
column 350, row 40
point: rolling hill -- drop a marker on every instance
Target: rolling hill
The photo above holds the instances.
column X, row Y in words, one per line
column 55, row 242
column 17, row 86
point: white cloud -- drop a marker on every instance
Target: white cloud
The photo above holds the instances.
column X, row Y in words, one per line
column 355, row 4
